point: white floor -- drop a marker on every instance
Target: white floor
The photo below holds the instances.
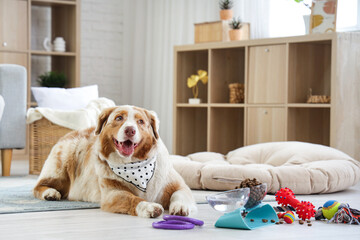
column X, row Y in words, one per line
column 96, row 224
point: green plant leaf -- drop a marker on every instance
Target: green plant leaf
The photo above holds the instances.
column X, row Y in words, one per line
column 52, row 79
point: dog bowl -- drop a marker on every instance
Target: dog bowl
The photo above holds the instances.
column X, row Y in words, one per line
column 257, row 194
column 230, row 200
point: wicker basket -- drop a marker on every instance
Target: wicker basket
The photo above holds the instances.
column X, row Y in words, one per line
column 317, row 98
column 237, row 93
column 43, row 136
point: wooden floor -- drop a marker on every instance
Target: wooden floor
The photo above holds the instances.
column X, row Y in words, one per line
column 96, row 224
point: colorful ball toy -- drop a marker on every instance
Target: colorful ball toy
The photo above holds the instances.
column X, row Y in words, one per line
column 330, row 208
column 289, row 217
column 305, row 210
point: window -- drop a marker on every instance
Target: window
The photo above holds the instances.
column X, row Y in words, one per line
column 348, row 17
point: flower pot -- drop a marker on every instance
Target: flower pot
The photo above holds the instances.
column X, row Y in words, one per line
column 226, row 14
column 194, row 100
column 235, row 34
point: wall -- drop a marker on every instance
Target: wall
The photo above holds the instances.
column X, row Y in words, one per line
column 127, row 47
column 101, row 46
column 137, row 69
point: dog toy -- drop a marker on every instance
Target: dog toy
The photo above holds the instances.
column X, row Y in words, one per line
column 289, row 217
column 330, row 208
column 338, row 213
column 304, row 210
column 177, row 223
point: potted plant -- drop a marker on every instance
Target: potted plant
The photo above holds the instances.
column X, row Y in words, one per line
column 226, row 12
column 192, row 83
column 52, row 79
column 234, row 32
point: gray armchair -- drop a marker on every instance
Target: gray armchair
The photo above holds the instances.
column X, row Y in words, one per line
column 13, row 122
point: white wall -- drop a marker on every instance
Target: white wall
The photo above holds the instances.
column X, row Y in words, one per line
column 127, row 47
column 101, row 46
column 126, row 68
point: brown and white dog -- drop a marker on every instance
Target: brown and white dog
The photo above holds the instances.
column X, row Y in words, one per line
column 122, row 164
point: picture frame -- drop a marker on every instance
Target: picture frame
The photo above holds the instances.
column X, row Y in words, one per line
column 323, row 16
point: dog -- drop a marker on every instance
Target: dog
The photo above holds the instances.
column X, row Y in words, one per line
column 121, row 163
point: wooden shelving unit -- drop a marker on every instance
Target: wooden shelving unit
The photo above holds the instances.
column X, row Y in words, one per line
column 277, row 74
column 17, row 24
column 44, row 53
column 65, row 22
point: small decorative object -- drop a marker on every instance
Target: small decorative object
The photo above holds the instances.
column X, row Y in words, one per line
column 304, row 210
column 234, row 32
column 59, row 45
column 236, row 94
column 192, row 83
column 317, row 98
column 52, row 79
column 226, row 12
column 47, row 44
column 323, row 16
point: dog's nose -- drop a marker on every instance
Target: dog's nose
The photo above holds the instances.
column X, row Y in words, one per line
column 130, row 131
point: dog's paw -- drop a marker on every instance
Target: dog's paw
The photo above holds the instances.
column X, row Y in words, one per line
column 149, row 209
column 179, row 208
column 51, row 194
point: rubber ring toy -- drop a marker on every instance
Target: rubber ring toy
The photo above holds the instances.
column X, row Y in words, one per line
column 177, row 223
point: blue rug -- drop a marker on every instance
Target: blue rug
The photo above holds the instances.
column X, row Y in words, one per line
column 16, row 197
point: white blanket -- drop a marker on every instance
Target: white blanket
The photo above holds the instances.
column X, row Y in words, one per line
column 75, row 119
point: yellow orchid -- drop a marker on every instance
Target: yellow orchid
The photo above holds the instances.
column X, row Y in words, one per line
column 194, row 79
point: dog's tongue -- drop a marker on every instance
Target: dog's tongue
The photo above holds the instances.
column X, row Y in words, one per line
column 127, row 147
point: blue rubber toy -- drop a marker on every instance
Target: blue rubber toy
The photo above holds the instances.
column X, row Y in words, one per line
column 253, row 219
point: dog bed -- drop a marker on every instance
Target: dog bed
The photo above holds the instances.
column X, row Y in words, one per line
column 303, row 167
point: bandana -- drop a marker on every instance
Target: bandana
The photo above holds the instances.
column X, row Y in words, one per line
column 138, row 173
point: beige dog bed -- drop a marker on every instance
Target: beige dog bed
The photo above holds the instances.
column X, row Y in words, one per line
column 303, row 167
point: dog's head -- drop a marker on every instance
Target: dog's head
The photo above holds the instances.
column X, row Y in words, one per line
column 127, row 132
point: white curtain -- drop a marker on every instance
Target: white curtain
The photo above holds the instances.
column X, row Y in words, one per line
column 255, row 12
column 151, row 29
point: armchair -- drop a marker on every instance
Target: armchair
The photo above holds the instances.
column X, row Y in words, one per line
column 13, row 87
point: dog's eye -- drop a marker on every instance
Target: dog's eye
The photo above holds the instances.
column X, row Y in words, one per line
column 119, row 118
column 141, row 121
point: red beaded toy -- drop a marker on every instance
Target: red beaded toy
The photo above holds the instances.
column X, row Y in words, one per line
column 304, row 210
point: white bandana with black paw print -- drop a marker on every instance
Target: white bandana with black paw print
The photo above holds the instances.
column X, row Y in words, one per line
column 138, row 173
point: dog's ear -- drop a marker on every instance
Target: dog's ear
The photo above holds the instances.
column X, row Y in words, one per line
column 104, row 115
column 154, row 122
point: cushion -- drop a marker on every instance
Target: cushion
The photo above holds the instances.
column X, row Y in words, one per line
column 65, row 98
column 2, row 106
column 303, row 167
